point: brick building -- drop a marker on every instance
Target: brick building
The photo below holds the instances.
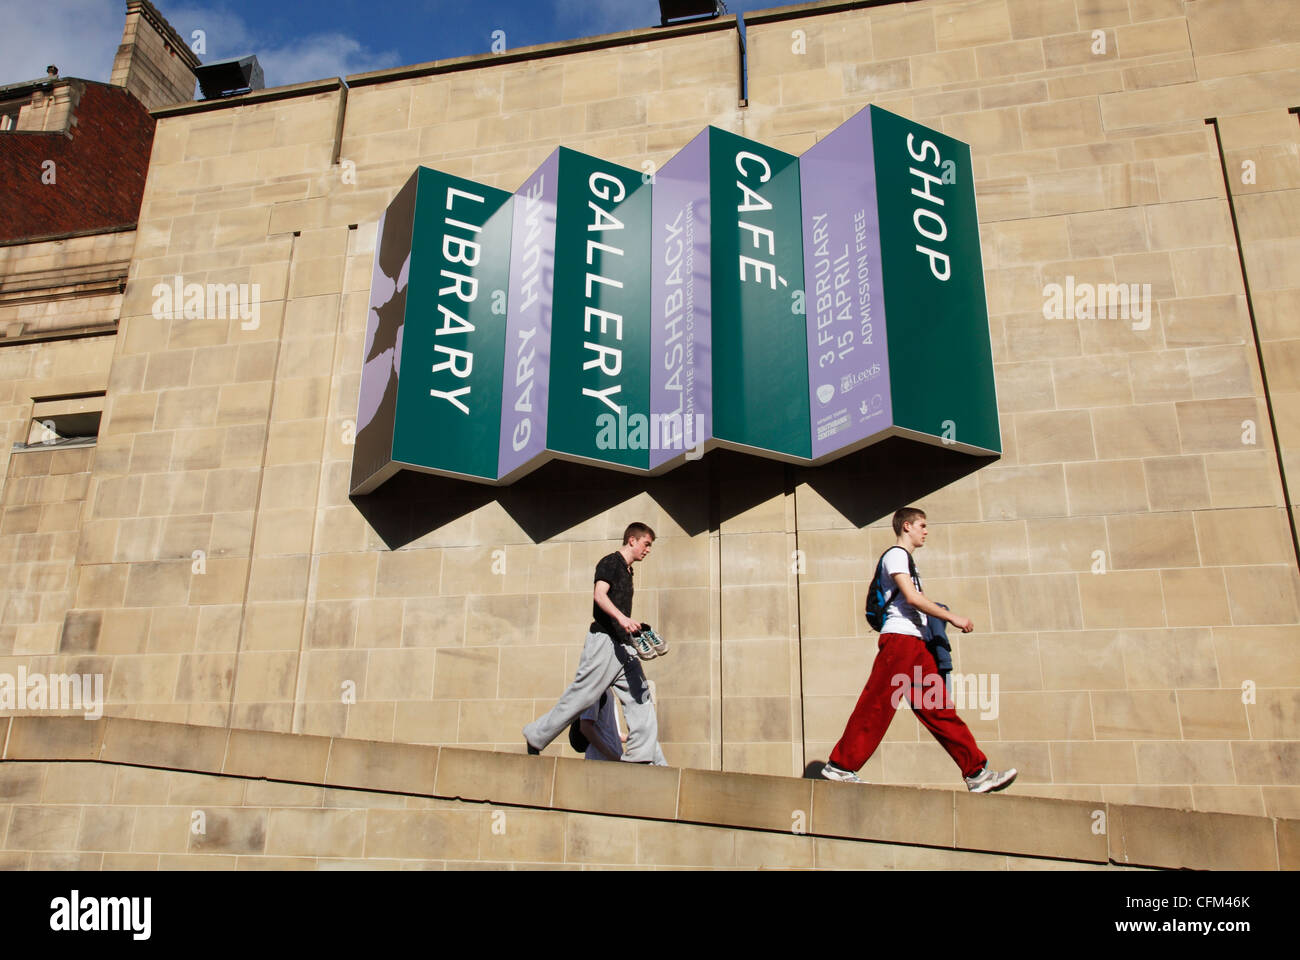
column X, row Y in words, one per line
column 1129, row 561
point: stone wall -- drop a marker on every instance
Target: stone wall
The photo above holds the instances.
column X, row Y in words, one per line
column 42, row 504
column 48, row 110
column 76, row 816
column 434, row 613
column 129, row 794
column 68, row 285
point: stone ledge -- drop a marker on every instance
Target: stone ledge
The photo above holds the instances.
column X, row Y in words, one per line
column 542, row 50
column 68, row 235
column 62, row 333
column 814, row 9
column 1200, row 841
column 450, row 65
column 1064, row 830
column 254, row 96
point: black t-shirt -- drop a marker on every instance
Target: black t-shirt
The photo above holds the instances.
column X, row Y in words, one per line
column 613, row 569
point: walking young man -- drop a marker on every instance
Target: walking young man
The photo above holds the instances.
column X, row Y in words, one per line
column 902, row 649
column 609, row 661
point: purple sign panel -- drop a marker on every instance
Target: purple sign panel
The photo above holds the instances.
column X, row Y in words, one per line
column 681, row 376
column 528, row 322
column 848, row 364
column 372, row 456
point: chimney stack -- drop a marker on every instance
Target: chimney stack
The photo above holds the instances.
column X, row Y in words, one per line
column 153, row 63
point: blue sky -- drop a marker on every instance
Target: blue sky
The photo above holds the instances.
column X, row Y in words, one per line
column 299, row 40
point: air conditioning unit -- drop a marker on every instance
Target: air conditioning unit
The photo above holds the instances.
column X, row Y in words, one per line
column 226, row 78
column 682, row 10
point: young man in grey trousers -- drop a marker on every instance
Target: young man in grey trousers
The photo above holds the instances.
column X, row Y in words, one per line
column 609, row 661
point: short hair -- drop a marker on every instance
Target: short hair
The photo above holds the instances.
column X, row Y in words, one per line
column 906, row 515
column 637, row 530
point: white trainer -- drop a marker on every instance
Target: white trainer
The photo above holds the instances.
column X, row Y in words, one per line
column 832, row 772
column 989, row 780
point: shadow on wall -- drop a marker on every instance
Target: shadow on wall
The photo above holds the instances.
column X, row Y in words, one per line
column 864, row 487
column 814, row 770
column 874, row 482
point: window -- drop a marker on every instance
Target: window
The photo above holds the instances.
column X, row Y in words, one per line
column 65, row 422
column 9, row 110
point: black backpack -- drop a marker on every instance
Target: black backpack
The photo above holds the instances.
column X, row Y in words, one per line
column 878, row 599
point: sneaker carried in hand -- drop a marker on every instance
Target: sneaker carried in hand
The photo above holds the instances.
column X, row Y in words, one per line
column 657, row 643
column 832, row 772
column 644, row 648
column 989, row 780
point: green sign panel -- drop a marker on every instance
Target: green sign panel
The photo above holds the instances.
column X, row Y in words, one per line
column 600, row 329
column 760, row 349
column 934, row 285
column 453, row 347
column 790, row 307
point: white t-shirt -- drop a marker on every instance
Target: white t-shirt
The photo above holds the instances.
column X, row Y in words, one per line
column 900, row 616
column 605, row 716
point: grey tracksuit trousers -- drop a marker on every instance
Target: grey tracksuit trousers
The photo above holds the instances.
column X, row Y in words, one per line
column 605, row 664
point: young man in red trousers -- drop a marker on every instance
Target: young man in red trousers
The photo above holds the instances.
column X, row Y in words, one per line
column 902, row 650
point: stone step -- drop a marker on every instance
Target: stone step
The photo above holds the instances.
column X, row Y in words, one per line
column 1072, row 831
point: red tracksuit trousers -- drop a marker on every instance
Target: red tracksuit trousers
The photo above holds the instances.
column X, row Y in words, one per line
column 893, row 675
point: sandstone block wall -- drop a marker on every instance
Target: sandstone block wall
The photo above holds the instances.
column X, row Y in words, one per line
column 42, row 505
column 75, row 816
column 452, row 616
column 63, row 285
column 117, row 793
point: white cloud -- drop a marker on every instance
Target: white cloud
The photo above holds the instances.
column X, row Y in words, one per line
column 313, row 56
column 322, row 55
column 223, row 30
column 594, row 17
column 80, row 37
